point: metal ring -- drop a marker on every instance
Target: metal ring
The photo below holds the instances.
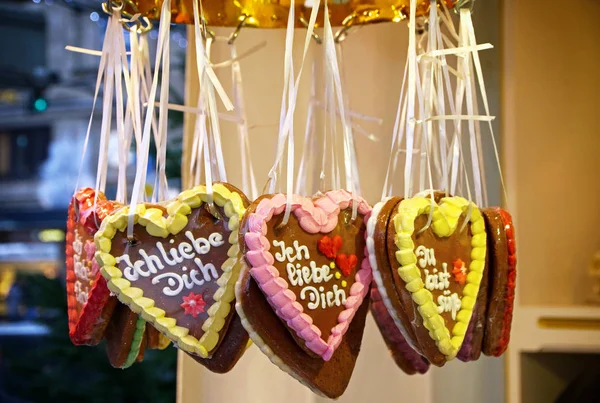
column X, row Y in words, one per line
column 315, row 36
column 239, row 27
column 142, row 25
column 112, row 5
column 464, row 4
column 204, row 30
column 342, row 34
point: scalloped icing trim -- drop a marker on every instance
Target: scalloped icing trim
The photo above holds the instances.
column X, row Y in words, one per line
column 387, row 302
column 159, row 226
column 313, row 217
column 445, row 221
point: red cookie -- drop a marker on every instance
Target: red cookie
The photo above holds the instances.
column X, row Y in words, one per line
column 302, row 295
column 503, row 273
column 88, row 298
column 405, row 357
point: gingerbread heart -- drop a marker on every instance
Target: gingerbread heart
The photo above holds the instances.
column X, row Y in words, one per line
column 314, row 297
column 88, row 298
column 440, row 267
column 179, row 269
column 502, row 280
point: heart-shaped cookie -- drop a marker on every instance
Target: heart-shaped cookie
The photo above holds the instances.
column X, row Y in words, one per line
column 88, row 298
column 502, row 280
column 271, row 334
column 315, row 295
column 179, row 269
column 440, row 267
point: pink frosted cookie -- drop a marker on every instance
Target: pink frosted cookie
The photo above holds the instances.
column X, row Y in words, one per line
column 302, row 298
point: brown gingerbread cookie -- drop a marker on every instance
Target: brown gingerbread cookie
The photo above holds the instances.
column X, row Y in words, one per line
column 502, row 280
column 436, row 249
column 302, row 295
column 124, row 336
column 178, row 270
column 407, row 359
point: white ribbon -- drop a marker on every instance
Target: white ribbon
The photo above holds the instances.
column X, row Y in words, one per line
column 248, row 179
column 286, row 133
column 107, row 102
column 333, row 74
column 99, row 81
column 411, row 120
column 137, row 195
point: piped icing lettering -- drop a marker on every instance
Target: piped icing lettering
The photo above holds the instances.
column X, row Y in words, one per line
column 439, row 280
column 306, row 273
column 182, row 256
column 312, row 269
column 84, row 267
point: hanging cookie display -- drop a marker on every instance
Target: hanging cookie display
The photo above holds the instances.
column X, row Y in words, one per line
column 175, row 262
column 90, row 305
column 429, row 252
column 302, row 294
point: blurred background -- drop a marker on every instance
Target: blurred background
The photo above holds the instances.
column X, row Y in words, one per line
column 46, row 96
column 543, row 86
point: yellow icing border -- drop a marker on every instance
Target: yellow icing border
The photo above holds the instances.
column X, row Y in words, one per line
column 159, row 226
column 445, row 220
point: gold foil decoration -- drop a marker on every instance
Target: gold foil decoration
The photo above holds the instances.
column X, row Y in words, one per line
column 273, row 13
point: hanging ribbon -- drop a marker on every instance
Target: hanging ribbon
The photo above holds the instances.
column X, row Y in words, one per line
column 248, row 179
column 333, row 74
column 309, row 138
column 286, row 134
column 137, row 195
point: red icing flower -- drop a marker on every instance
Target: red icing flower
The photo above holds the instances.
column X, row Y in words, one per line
column 193, row 304
column 459, row 271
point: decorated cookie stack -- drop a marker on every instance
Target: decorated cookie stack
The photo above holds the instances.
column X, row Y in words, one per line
column 178, row 269
column 444, row 269
column 144, row 274
column 442, row 290
column 301, row 295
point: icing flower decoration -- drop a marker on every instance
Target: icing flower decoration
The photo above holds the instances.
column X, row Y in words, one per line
column 330, row 247
column 193, row 304
column 459, row 271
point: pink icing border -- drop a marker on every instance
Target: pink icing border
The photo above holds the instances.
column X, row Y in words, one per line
column 314, row 217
